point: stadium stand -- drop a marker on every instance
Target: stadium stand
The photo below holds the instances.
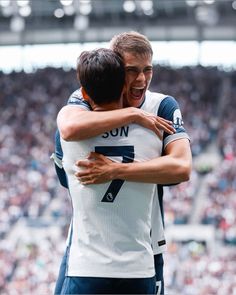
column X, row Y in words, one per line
column 35, row 210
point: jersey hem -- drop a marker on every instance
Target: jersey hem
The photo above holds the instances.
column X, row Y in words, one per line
column 111, row 275
column 159, row 251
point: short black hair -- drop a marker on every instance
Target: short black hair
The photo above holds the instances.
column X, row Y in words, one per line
column 101, row 73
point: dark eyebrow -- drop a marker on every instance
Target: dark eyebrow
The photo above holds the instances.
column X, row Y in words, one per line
column 137, row 68
column 131, row 67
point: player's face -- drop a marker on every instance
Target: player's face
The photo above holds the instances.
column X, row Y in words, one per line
column 139, row 72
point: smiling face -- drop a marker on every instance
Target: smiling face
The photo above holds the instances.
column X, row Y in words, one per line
column 138, row 75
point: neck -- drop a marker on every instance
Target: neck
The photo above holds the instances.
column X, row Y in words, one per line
column 107, row 107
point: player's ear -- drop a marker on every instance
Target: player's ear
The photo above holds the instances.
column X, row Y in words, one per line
column 123, row 93
column 87, row 97
column 124, row 89
column 84, row 93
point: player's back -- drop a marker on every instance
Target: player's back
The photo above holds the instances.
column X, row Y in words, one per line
column 112, row 221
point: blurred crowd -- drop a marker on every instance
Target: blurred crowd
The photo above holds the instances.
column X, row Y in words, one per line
column 220, row 205
column 193, row 269
column 29, row 188
column 29, row 104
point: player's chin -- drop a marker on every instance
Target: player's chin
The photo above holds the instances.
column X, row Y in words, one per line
column 134, row 101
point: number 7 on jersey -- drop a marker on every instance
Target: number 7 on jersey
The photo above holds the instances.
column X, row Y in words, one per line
column 127, row 154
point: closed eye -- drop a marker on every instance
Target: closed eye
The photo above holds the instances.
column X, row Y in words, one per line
column 132, row 70
column 137, row 71
column 149, row 69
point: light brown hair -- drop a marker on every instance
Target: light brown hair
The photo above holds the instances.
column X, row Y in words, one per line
column 131, row 42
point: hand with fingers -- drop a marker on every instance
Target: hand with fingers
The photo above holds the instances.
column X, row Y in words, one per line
column 155, row 123
column 96, row 169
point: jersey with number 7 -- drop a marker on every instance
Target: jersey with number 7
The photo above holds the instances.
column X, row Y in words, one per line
column 111, row 226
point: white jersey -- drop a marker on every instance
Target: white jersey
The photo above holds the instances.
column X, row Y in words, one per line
column 157, row 232
column 157, row 226
column 166, row 107
column 111, row 223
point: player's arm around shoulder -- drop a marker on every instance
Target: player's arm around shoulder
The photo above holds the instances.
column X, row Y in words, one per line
column 71, row 122
column 70, row 119
column 77, row 123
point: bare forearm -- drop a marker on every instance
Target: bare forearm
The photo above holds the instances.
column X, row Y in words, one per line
column 163, row 170
column 78, row 125
column 174, row 167
column 75, row 123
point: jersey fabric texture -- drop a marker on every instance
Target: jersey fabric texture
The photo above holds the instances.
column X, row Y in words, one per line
column 169, row 109
column 112, row 221
column 57, row 158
